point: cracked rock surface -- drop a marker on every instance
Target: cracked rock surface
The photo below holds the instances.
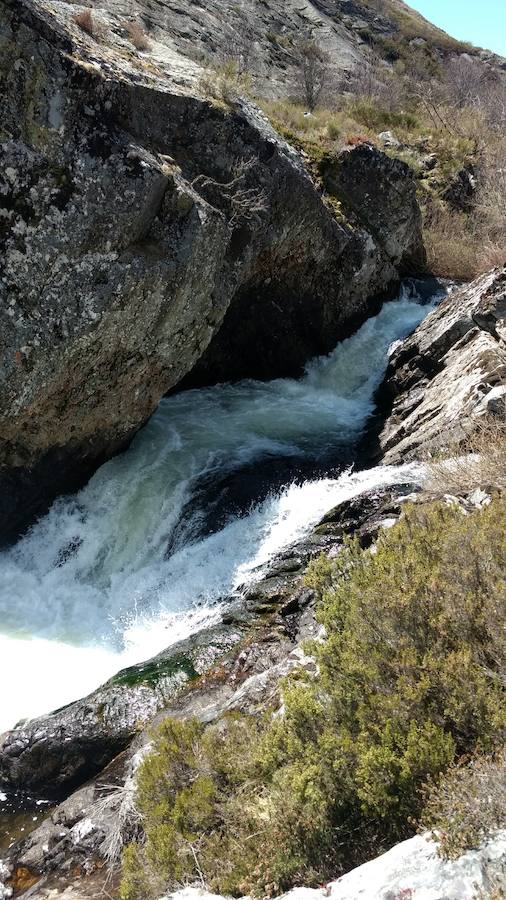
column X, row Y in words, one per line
column 122, row 251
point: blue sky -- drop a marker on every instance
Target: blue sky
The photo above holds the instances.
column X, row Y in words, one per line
column 483, row 22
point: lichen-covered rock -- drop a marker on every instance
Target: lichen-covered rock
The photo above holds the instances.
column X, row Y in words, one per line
column 449, row 374
column 127, row 246
column 368, row 191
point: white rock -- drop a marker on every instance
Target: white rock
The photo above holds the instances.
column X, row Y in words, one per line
column 5, row 892
column 411, row 870
column 414, row 871
column 388, row 139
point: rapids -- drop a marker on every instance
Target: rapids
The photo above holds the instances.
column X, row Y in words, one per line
column 131, row 564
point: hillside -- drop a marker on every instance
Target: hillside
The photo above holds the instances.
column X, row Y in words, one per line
column 262, row 36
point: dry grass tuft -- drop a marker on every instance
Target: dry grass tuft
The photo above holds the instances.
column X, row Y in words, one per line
column 492, row 255
column 467, row 804
column 224, row 84
column 137, row 36
column 84, row 20
column 477, row 462
column 452, row 250
column 354, row 140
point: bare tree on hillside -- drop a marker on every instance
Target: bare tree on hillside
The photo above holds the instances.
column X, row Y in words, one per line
column 313, row 64
column 466, row 79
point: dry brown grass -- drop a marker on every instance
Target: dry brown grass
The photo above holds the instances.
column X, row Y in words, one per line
column 467, row 805
column 354, row 140
column 492, row 255
column 137, row 36
column 84, row 20
column 452, row 251
column 477, row 462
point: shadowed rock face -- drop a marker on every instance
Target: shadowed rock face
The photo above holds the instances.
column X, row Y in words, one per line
column 122, row 254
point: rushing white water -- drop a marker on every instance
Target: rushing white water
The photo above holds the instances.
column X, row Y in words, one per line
column 91, row 588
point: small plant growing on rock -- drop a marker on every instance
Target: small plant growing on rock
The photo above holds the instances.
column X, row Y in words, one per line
column 137, row 36
column 84, row 20
column 225, row 83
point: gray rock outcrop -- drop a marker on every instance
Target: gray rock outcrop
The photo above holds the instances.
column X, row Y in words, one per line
column 450, row 374
column 139, row 221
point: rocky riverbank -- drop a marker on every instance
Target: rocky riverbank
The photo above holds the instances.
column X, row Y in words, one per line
column 267, row 630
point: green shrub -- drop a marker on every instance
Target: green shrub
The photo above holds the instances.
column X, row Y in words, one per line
column 369, row 113
column 333, row 129
column 411, row 675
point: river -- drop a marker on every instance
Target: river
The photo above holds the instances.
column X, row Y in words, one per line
column 217, row 482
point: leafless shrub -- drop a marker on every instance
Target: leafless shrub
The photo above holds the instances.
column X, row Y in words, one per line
column 367, row 78
column 467, row 805
column 491, row 196
column 138, row 36
column 479, row 461
column 313, row 64
column 466, row 80
column 84, row 20
column 494, row 104
column 244, row 204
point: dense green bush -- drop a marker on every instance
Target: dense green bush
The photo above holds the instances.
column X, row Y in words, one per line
column 411, row 675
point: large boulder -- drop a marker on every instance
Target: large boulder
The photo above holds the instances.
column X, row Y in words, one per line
column 139, row 222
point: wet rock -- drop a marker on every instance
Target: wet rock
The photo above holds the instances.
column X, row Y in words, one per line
column 52, row 754
column 450, row 372
column 363, row 516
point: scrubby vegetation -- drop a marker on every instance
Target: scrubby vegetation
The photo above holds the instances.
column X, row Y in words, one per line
column 412, row 676
column 467, row 804
column 84, row 20
column 224, row 84
column 477, row 461
column 447, row 115
column 137, row 36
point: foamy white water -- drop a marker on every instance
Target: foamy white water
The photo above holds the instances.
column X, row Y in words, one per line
column 90, row 588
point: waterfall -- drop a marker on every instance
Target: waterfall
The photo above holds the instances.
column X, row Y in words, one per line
column 150, row 549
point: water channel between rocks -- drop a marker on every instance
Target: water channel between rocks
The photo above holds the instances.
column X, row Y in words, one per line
column 219, row 481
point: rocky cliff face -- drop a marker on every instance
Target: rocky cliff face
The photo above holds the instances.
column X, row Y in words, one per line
column 450, row 374
column 137, row 217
